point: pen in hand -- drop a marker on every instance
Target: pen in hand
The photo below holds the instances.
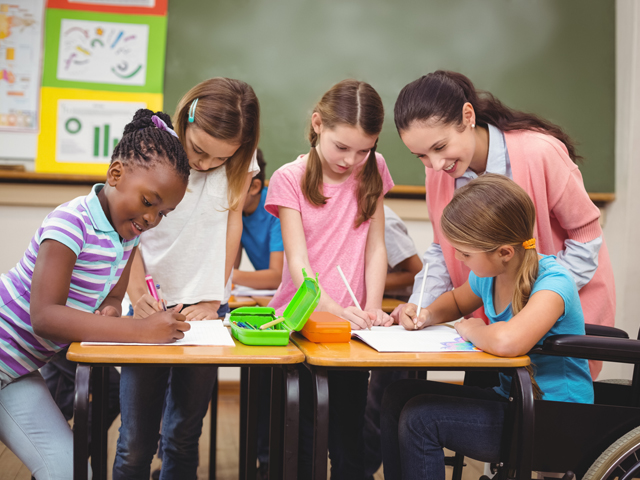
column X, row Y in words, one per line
column 424, row 281
column 353, row 297
column 160, row 299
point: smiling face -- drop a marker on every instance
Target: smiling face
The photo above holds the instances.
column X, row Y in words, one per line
column 136, row 198
column 341, row 148
column 206, row 152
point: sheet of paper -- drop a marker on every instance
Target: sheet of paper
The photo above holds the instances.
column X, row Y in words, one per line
column 241, row 291
column 439, row 338
column 204, row 333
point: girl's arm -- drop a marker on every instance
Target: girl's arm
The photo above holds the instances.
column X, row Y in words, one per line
column 447, row 307
column 295, row 248
column 518, row 335
column 143, row 303
column 375, row 270
column 405, row 273
column 52, row 319
column 268, row 279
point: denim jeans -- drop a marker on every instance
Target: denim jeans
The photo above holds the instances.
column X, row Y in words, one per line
column 347, row 402
column 177, row 396
column 378, row 383
column 420, row 418
column 33, row 428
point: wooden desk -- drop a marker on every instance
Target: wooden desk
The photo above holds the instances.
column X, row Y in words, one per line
column 262, row 301
column 355, row 355
column 389, row 304
column 237, row 302
column 93, row 363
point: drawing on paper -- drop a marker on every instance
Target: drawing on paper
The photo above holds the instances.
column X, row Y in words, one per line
column 103, row 52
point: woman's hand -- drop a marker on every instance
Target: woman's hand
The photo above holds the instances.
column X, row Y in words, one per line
column 379, row 318
column 359, row 319
column 163, row 327
column 408, row 318
column 145, row 306
column 464, row 326
column 202, row 311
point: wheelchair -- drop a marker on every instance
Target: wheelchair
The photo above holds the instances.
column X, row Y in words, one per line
column 569, row 440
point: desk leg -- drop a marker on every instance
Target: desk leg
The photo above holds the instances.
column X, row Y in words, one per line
column 251, row 424
column 80, row 420
column 213, row 430
column 244, row 387
column 275, row 423
column 291, row 423
column 320, row 382
column 526, row 414
column 99, row 421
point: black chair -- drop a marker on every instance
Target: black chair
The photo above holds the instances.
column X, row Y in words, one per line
column 591, row 442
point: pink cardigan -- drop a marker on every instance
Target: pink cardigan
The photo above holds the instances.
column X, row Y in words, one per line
column 541, row 165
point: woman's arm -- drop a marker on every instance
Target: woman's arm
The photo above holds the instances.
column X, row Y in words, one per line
column 52, row 319
column 518, row 335
column 295, row 248
column 268, row 279
column 375, row 270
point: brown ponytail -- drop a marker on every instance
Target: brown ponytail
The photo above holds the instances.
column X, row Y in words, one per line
column 440, row 96
column 355, row 104
column 487, row 213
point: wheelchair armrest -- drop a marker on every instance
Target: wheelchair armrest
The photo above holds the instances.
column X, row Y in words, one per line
column 608, row 349
column 603, row 331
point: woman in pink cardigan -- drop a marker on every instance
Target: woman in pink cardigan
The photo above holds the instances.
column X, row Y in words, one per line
column 459, row 133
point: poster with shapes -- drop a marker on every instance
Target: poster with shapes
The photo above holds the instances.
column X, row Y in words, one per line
column 89, row 130
column 103, row 52
column 21, row 34
column 131, row 7
column 84, row 126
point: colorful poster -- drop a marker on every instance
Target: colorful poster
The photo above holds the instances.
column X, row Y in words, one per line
column 21, row 33
column 131, row 7
column 89, row 130
column 103, row 52
column 81, row 127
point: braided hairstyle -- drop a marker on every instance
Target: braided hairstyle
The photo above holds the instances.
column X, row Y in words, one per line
column 145, row 145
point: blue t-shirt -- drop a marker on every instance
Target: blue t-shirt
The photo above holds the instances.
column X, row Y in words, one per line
column 261, row 235
column 561, row 379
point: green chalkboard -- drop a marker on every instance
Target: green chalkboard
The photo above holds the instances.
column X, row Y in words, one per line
column 552, row 57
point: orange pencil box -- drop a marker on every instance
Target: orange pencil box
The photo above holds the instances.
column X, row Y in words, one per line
column 325, row 327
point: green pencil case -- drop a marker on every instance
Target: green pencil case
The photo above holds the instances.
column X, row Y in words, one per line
column 296, row 315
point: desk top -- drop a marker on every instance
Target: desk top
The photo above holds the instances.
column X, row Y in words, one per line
column 239, row 355
column 358, row 354
column 237, row 302
column 388, row 304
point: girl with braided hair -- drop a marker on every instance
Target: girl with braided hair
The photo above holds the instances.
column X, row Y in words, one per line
column 330, row 205
column 76, row 267
column 191, row 256
column 527, row 298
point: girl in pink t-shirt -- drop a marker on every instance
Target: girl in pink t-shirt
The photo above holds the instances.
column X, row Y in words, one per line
column 330, row 205
column 460, row 133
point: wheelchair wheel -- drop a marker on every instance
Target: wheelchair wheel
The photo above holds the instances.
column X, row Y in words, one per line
column 621, row 460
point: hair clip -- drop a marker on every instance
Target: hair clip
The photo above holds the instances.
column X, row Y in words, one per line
column 192, row 111
column 529, row 244
column 162, row 125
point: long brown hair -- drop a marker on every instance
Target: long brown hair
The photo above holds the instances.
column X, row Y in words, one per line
column 440, row 96
column 355, row 104
column 489, row 212
column 228, row 110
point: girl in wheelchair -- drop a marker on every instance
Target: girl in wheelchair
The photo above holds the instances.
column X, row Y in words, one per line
column 526, row 296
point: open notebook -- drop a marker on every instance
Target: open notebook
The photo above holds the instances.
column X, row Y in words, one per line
column 439, row 338
column 203, row 333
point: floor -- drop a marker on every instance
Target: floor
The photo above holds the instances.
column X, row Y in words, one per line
column 228, row 447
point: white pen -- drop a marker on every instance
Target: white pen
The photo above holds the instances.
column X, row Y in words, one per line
column 424, row 281
column 353, row 297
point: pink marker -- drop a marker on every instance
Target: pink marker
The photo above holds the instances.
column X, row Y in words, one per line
column 152, row 287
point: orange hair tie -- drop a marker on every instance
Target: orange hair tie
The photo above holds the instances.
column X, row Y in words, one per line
column 529, row 244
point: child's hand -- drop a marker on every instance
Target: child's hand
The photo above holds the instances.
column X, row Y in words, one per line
column 202, row 311
column 108, row 311
column 395, row 315
column 163, row 327
column 359, row 319
column 145, row 306
column 464, row 326
column 409, row 319
column 380, row 318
